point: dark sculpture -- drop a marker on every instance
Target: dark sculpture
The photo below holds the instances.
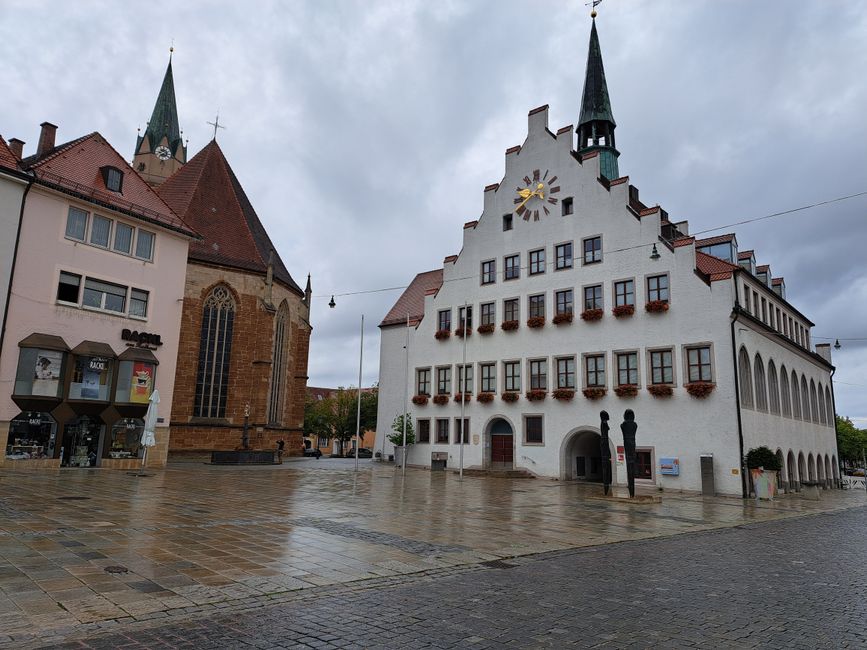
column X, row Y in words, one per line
column 605, row 452
column 629, row 427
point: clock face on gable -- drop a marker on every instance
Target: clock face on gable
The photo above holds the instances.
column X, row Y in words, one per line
column 163, row 152
column 536, row 195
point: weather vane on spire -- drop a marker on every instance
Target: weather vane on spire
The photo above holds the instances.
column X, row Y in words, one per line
column 216, row 124
column 595, row 3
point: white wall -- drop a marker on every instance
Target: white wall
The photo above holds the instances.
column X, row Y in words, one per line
column 11, row 194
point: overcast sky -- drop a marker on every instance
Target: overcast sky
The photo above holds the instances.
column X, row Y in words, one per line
column 365, row 132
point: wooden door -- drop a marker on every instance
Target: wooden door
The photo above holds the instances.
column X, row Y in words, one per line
column 501, row 449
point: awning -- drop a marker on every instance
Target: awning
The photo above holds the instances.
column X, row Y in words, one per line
column 94, row 349
column 44, row 341
column 138, row 354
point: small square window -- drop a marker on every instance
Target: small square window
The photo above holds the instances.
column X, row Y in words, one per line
column 657, row 288
column 533, row 430
column 624, row 293
column 144, row 245
column 76, row 224
column 507, row 222
column 113, row 178
column 68, row 288
column 593, row 297
column 568, row 206
column 699, row 364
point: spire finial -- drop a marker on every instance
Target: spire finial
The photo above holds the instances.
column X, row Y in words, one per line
column 216, row 124
column 594, row 4
column 171, row 50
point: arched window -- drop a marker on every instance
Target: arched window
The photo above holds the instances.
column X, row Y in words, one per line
column 814, row 402
column 773, row 389
column 821, row 399
column 796, row 397
column 785, row 397
column 829, row 408
column 278, row 366
column 761, row 389
column 805, row 399
column 215, row 352
column 746, row 378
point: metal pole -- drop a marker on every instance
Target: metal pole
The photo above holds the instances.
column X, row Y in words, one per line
column 405, row 395
column 358, row 410
column 463, row 388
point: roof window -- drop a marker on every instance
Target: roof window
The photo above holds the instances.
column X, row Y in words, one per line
column 113, row 178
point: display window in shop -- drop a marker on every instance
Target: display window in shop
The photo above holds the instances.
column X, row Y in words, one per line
column 32, row 435
column 91, row 378
column 135, row 382
column 40, row 372
column 81, row 441
column 126, row 437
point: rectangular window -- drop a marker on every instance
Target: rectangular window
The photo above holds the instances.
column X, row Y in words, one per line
column 100, row 231
column 76, row 224
column 661, row 367
column 138, row 303
column 512, row 267
column 422, row 381
column 568, row 206
column 564, row 301
column 465, row 316
column 489, row 272
column 593, row 297
column 489, row 377
column 785, row 325
column 624, row 293
column 771, row 315
column 442, row 430
column 627, row 368
column 593, row 250
column 698, row 361
column 644, row 464
column 68, row 288
column 747, row 298
column 564, row 255
column 536, row 306
column 538, row 374
column 104, row 295
column 764, row 311
column 566, row 372
column 423, row 427
column 465, row 429
column 533, row 433
column 144, row 245
column 594, row 370
column 444, row 319
column 511, row 309
column 755, row 304
column 488, row 313
column 113, row 179
column 657, row 288
column 444, row 380
column 537, row 261
column 123, row 238
column 507, row 222
column 468, row 371
column 779, row 321
column 512, row 376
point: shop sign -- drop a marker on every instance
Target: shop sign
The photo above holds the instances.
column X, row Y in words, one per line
column 97, row 364
column 138, row 339
column 669, row 466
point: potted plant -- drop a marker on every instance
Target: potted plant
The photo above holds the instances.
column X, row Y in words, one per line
column 565, row 317
column 509, row 325
column 463, row 331
column 621, row 311
column 591, row 315
column 442, row 335
column 656, row 306
column 626, row 390
column 660, row 390
column 420, row 400
column 485, row 398
column 763, row 465
column 396, row 438
column 700, row 389
column 536, row 321
column 509, row 396
column 563, row 394
column 536, row 395
column 594, row 392
column 463, row 397
column 440, row 399
column 487, row 328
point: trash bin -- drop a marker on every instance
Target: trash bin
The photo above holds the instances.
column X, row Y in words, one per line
column 438, row 460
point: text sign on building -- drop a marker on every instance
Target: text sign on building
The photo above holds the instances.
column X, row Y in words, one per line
column 669, row 466
column 141, row 339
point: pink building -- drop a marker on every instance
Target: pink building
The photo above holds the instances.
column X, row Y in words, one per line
column 94, row 311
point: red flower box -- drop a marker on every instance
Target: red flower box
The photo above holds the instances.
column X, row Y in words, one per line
column 700, row 389
column 442, row 335
column 597, row 392
column 536, row 395
column 461, row 331
column 509, row 397
column 660, row 390
column 440, row 399
column 592, row 314
column 564, row 394
column 485, row 398
column 485, row 329
column 536, row 321
column 656, row 306
column 626, row 390
column 419, row 400
column 623, row 310
column 559, row 319
column 463, row 397
column 509, row 325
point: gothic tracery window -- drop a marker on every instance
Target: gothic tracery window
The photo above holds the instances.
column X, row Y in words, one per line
column 215, row 351
column 278, row 366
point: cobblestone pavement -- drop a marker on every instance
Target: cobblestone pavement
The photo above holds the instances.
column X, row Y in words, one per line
column 83, row 552
column 797, row 583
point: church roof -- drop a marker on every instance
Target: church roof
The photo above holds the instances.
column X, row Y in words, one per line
column 595, row 104
column 411, row 301
column 164, row 119
column 75, row 168
column 206, row 193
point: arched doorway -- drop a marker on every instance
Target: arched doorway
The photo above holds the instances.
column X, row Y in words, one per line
column 502, row 444
column 829, row 474
column 792, row 471
column 581, row 458
column 811, row 468
column 802, row 468
column 820, row 470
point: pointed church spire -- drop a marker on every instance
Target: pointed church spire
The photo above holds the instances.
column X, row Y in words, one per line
column 596, row 124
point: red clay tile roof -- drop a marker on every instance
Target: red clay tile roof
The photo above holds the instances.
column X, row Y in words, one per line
column 74, row 168
column 683, row 241
column 7, row 158
column 776, row 281
column 411, row 300
column 745, row 255
column 763, row 268
column 719, row 239
column 208, row 195
column 714, row 267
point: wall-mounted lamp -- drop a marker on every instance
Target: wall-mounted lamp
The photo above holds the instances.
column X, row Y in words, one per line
column 332, row 304
column 837, row 345
column 654, row 254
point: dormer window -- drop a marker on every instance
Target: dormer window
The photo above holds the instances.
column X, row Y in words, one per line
column 113, row 178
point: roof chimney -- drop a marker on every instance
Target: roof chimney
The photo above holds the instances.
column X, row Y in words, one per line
column 46, row 138
column 16, row 146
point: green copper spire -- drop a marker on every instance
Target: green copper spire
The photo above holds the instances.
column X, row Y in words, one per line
column 596, row 124
column 164, row 120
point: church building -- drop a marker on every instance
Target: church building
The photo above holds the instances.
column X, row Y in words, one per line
column 571, row 296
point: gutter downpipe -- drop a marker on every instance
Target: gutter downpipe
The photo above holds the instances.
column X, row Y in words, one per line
column 735, row 312
column 15, row 259
column 836, row 433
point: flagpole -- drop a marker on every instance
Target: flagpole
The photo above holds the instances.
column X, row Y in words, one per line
column 462, row 386
column 358, row 410
column 405, row 394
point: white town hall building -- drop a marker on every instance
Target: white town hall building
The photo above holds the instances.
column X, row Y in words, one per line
column 576, row 297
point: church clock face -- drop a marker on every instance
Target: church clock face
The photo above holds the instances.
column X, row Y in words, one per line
column 163, row 153
column 536, row 195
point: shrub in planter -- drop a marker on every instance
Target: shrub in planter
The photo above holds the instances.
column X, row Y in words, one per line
column 656, row 306
column 623, row 310
column 660, row 390
column 463, row 397
column 509, row 397
column 564, row 394
column 591, row 314
column 536, row 395
column 419, row 400
column 509, row 325
column 463, row 331
column 626, row 390
column 440, row 399
column 485, row 329
column 536, row 321
column 762, row 457
column 559, row 319
column 595, row 392
column 485, row 398
column 441, row 335
column 700, row 389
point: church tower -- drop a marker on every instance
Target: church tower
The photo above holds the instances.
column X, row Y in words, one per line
column 160, row 152
column 596, row 124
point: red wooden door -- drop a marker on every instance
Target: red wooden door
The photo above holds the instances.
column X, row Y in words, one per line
column 501, row 449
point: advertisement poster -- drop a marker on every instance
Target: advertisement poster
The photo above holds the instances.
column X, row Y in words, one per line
column 621, row 454
column 142, row 382
column 669, row 466
column 90, row 384
column 46, row 378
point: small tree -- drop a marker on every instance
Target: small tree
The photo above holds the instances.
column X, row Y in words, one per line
column 396, row 438
column 762, row 457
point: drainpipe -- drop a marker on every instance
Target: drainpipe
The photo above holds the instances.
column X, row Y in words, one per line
column 734, row 320
column 14, row 259
column 836, row 433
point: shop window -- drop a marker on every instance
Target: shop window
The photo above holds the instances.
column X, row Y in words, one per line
column 135, row 382
column 39, row 372
column 31, row 436
column 126, row 436
column 91, row 379
column 81, row 439
column 69, row 287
